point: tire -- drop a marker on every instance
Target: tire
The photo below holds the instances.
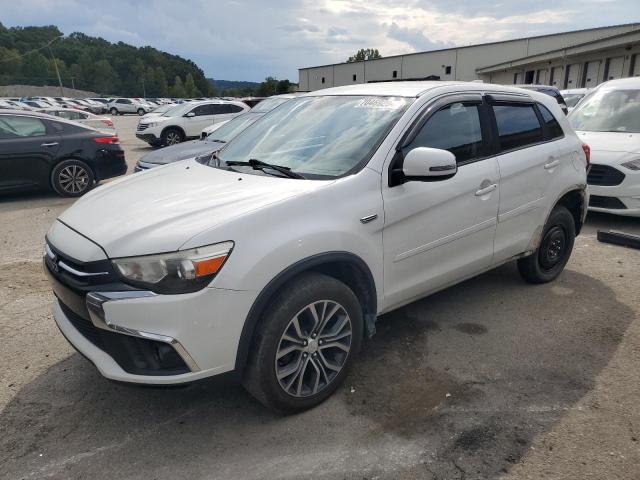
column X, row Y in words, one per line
column 306, row 378
column 548, row 261
column 72, row 178
column 141, row 111
column 172, row 136
column 113, row 111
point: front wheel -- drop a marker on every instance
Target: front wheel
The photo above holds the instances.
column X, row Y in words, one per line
column 558, row 236
column 72, row 178
column 141, row 111
column 171, row 136
column 304, row 344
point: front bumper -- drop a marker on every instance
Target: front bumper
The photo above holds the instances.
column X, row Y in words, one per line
column 140, row 337
column 148, row 137
column 623, row 199
column 142, row 166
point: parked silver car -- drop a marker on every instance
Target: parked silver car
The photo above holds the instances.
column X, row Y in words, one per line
column 120, row 106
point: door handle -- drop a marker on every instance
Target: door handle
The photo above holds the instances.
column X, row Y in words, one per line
column 485, row 190
column 52, row 144
column 551, row 163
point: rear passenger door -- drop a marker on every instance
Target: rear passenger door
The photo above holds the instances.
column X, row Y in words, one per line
column 202, row 118
column 529, row 160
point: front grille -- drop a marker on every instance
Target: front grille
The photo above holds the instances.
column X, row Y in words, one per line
column 604, row 175
column 78, row 275
column 613, row 203
column 138, row 356
column 142, row 126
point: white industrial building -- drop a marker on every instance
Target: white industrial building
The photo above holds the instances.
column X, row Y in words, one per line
column 582, row 58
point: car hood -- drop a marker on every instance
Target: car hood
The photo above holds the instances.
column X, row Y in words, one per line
column 161, row 209
column 181, row 151
column 611, row 141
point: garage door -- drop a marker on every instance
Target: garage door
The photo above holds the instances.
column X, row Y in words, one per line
column 636, row 66
column 616, row 64
column 573, row 72
column 517, row 79
column 592, row 73
column 557, row 77
column 541, row 77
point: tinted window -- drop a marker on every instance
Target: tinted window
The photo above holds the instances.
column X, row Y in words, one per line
column 18, row 126
column 455, row 128
column 219, row 109
column 554, row 130
column 518, row 125
column 202, row 110
column 235, row 108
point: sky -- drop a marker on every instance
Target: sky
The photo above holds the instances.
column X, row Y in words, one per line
column 249, row 40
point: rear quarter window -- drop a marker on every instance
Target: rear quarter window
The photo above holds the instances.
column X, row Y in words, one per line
column 554, row 130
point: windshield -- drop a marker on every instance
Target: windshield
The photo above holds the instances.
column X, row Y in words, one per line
column 319, row 137
column 608, row 111
column 572, row 99
column 269, row 104
column 233, row 127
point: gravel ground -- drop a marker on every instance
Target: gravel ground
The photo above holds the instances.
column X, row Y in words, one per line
column 489, row 379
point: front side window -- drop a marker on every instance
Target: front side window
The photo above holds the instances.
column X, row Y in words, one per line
column 518, row 125
column 455, row 128
column 608, row 111
column 319, row 137
column 20, row 127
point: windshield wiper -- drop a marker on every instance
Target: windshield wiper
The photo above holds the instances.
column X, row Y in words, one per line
column 260, row 165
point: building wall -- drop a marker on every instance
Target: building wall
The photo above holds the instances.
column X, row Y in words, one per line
column 463, row 61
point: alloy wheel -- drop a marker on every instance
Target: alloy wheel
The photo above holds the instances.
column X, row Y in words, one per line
column 313, row 349
column 73, row 179
column 172, row 138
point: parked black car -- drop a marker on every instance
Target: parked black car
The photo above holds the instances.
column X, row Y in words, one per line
column 38, row 151
column 548, row 90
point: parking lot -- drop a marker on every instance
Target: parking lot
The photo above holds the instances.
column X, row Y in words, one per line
column 493, row 378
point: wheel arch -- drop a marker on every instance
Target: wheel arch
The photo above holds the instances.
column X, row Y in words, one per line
column 574, row 200
column 344, row 266
column 174, row 127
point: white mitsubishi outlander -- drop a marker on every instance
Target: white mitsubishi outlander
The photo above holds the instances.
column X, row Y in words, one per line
column 274, row 257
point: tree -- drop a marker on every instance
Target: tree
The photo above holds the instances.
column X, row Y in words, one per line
column 161, row 82
column 268, row 87
column 364, row 54
column 35, row 68
column 178, row 90
column 106, row 77
column 190, row 87
column 284, row 86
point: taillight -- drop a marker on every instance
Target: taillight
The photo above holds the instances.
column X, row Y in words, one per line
column 106, row 139
column 587, row 153
column 106, row 121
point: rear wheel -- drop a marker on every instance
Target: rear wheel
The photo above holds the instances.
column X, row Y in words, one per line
column 304, row 344
column 558, row 236
column 172, row 136
column 141, row 111
column 113, row 111
column 72, row 178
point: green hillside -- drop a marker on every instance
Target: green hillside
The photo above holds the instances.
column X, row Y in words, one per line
column 91, row 63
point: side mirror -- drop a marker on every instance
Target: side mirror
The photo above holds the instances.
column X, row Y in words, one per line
column 190, row 114
column 426, row 164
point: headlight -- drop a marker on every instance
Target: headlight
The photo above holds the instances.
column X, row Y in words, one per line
column 152, row 124
column 177, row 272
column 633, row 164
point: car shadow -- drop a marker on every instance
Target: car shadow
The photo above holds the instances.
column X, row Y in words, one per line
column 453, row 386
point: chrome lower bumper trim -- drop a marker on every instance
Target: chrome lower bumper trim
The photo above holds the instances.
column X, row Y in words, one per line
column 95, row 305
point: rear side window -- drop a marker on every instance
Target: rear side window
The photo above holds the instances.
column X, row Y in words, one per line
column 19, row 127
column 234, row 108
column 455, row 128
column 554, row 130
column 518, row 125
column 202, row 110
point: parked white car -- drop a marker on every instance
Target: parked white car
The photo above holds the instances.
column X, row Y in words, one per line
column 186, row 121
column 268, row 259
column 120, row 106
column 573, row 96
column 608, row 119
column 104, row 124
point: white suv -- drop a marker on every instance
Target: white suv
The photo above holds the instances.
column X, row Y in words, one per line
column 186, row 121
column 274, row 257
column 120, row 106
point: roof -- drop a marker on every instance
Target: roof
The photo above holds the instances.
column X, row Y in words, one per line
column 632, row 83
column 412, row 89
column 635, row 25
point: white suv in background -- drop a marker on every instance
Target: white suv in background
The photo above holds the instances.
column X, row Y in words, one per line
column 274, row 257
column 120, row 106
column 186, row 121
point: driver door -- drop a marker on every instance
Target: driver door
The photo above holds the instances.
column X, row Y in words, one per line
column 441, row 231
